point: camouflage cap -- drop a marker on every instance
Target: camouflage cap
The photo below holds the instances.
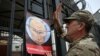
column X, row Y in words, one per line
column 82, row 15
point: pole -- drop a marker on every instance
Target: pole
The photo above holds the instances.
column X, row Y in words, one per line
column 9, row 47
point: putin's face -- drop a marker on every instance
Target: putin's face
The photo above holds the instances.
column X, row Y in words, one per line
column 37, row 31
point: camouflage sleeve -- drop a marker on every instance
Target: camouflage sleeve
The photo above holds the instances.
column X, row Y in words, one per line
column 83, row 51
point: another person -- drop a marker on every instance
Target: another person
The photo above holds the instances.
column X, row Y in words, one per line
column 96, row 32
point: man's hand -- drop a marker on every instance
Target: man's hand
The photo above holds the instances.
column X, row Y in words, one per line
column 48, row 54
column 57, row 16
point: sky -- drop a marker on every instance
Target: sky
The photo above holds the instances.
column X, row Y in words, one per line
column 92, row 5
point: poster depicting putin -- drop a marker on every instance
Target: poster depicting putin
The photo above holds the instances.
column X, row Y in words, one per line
column 38, row 35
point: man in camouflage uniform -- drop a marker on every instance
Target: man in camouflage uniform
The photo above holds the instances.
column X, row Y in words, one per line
column 78, row 27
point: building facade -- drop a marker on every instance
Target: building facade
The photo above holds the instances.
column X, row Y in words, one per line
column 13, row 16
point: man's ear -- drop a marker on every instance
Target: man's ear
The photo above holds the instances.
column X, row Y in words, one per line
column 82, row 25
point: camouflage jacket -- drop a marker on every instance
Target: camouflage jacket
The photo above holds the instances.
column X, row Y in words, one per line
column 84, row 47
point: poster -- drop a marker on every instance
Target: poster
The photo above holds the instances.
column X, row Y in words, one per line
column 38, row 35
